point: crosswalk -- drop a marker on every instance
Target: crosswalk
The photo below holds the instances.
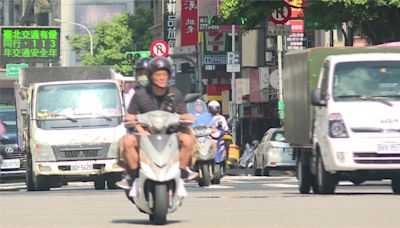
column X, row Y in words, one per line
column 227, row 183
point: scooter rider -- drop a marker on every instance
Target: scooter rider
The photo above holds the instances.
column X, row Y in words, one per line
column 157, row 96
column 220, row 121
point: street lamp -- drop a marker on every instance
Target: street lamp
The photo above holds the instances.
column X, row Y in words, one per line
column 87, row 30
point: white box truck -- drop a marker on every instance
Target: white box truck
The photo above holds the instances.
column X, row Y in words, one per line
column 70, row 120
column 342, row 115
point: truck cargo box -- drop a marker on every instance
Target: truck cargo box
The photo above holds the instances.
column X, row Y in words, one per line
column 300, row 76
column 52, row 74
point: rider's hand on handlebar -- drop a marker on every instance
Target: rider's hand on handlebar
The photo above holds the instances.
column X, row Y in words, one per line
column 187, row 118
column 141, row 131
column 130, row 118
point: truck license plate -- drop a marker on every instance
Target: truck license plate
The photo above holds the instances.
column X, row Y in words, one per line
column 388, row 148
column 10, row 164
column 82, row 167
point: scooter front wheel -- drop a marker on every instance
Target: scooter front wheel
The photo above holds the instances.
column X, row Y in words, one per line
column 204, row 179
column 217, row 174
column 160, row 208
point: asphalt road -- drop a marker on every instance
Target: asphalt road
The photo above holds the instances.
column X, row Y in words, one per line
column 239, row 201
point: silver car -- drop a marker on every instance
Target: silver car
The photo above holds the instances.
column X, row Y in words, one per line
column 273, row 153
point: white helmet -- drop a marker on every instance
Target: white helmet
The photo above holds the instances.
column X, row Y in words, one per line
column 214, row 107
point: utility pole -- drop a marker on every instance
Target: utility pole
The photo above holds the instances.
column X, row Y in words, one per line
column 199, row 69
column 233, row 86
column 67, row 14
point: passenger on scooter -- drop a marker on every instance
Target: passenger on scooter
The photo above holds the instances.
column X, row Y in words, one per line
column 157, row 96
column 141, row 80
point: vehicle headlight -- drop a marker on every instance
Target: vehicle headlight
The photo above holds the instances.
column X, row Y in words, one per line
column 337, row 128
column 43, row 152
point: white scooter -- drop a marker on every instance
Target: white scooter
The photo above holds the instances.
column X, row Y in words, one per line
column 159, row 189
column 205, row 156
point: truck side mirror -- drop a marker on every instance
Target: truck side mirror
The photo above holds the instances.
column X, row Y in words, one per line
column 316, row 99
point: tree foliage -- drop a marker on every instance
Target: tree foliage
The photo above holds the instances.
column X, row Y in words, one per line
column 113, row 38
column 256, row 12
column 377, row 20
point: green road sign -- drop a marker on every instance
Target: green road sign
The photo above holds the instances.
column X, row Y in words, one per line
column 135, row 55
column 13, row 69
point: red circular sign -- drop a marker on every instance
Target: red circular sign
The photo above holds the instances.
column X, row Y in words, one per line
column 159, row 48
column 281, row 15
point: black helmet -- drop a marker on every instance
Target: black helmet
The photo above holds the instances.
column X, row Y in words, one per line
column 157, row 64
column 142, row 63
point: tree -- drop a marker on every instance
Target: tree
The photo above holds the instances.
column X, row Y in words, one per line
column 377, row 20
column 256, row 12
column 113, row 39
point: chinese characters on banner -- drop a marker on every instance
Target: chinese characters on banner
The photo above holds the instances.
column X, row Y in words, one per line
column 170, row 22
column 189, row 22
column 30, row 44
column 296, row 40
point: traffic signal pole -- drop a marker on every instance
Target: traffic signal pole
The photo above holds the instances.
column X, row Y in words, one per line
column 233, row 85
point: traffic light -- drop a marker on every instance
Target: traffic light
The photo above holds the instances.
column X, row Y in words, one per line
column 218, row 20
column 135, row 55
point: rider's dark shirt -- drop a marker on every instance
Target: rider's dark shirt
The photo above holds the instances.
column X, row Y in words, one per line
column 145, row 101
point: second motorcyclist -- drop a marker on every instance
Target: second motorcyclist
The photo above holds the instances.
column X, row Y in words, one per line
column 219, row 120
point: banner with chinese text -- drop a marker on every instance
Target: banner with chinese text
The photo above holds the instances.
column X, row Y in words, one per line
column 170, row 22
column 189, row 26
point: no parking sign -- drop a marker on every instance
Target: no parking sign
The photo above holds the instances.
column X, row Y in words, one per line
column 159, row 48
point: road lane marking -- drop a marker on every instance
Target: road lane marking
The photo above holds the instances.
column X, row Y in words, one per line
column 280, row 185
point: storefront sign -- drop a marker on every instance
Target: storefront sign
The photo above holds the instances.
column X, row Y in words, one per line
column 170, row 22
column 215, row 42
column 189, row 25
column 214, row 60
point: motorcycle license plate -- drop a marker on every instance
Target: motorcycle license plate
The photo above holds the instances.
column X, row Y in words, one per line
column 82, row 167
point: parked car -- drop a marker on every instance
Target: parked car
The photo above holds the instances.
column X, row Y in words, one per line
column 13, row 159
column 273, row 153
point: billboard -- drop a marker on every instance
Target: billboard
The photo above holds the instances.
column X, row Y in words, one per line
column 29, row 44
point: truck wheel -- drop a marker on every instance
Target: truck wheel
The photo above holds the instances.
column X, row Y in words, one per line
column 396, row 185
column 326, row 181
column 112, row 179
column 304, row 176
column 29, row 181
column 99, row 183
column 42, row 183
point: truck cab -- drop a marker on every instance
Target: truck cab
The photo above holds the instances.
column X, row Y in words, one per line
column 357, row 123
column 341, row 115
column 71, row 127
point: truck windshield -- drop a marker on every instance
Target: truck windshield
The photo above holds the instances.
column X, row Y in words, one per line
column 74, row 101
column 367, row 80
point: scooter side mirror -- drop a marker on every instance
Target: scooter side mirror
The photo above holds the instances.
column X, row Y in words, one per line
column 191, row 97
